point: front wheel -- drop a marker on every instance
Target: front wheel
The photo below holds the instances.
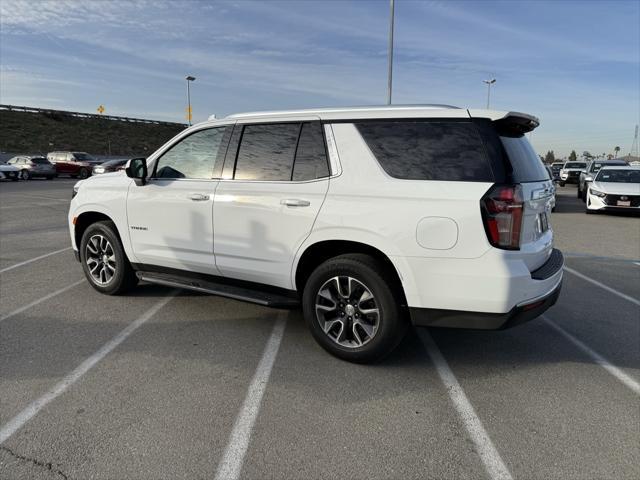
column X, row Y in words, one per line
column 562, row 184
column 84, row 173
column 103, row 260
column 25, row 175
column 352, row 309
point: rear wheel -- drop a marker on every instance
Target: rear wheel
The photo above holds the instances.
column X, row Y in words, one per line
column 84, row 173
column 562, row 184
column 352, row 310
column 103, row 260
column 25, row 175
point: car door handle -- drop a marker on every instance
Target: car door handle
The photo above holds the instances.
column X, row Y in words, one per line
column 295, row 202
column 198, row 197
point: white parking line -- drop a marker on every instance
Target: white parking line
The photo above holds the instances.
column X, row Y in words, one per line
column 599, row 359
column 636, row 263
column 40, row 300
column 231, row 464
column 6, row 269
column 602, row 285
column 34, row 407
column 488, row 453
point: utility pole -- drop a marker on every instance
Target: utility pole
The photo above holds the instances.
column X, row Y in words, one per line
column 390, row 72
column 189, row 79
column 489, row 83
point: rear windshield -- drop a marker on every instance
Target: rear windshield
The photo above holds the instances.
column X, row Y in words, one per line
column 575, row 165
column 428, row 150
column 82, row 156
column 526, row 165
column 618, row 176
column 40, row 160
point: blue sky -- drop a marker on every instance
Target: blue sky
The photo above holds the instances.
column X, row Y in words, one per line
column 574, row 64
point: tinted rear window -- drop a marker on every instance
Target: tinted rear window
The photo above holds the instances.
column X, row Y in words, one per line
column 266, row 152
column 428, row 150
column 525, row 163
column 40, row 160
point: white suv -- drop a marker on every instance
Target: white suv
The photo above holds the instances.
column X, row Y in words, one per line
column 367, row 218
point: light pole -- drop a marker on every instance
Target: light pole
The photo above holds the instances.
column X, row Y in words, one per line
column 390, row 70
column 189, row 79
column 489, row 83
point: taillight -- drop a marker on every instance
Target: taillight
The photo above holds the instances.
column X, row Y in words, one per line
column 502, row 210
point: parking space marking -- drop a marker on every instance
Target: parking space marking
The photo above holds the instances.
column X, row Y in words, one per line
column 231, row 464
column 41, row 299
column 26, row 262
column 602, row 285
column 636, row 263
column 34, row 407
column 599, row 359
column 489, row 455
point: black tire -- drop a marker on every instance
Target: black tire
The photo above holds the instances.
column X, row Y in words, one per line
column 124, row 277
column 579, row 192
column 562, row 184
column 50, row 177
column 25, row 175
column 392, row 323
column 84, row 173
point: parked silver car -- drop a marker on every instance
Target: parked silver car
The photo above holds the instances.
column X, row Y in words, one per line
column 32, row 166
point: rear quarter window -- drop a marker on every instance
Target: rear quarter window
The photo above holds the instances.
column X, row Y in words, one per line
column 525, row 162
column 428, row 150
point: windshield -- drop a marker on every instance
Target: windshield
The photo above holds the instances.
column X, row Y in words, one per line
column 618, row 176
column 83, row 156
column 41, row 161
column 575, row 165
column 526, row 164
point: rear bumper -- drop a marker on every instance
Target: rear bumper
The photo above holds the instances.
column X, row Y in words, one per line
column 426, row 317
column 543, row 285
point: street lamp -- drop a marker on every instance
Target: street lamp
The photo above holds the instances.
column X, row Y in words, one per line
column 489, row 82
column 390, row 66
column 189, row 79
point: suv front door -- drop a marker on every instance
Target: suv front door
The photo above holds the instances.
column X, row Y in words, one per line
column 266, row 204
column 171, row 217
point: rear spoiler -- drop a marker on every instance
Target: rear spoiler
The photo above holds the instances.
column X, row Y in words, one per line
column 508, row 123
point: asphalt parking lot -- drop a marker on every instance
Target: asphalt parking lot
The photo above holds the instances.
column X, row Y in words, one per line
column 173, row 384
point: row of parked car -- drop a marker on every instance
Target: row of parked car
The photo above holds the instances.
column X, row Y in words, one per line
column 603, row 185
column 73, row 164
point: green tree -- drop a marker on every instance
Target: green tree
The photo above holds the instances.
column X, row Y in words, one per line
column 549, row 157
column 617, row 150
column 573, row 156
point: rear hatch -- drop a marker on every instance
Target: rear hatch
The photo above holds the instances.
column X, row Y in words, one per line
column 516, row 211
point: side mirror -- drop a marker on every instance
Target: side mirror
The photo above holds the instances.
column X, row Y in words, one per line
column 137, row 169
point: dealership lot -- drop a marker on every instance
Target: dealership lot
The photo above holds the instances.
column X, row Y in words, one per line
column 155, row 384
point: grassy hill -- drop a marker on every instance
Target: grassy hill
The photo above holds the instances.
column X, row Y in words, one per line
column 45, row 131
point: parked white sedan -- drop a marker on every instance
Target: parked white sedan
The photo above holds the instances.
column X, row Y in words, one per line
column 614, row 188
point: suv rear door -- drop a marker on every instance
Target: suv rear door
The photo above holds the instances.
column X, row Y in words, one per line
column 275, row 178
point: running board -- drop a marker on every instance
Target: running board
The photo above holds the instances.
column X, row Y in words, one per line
column 260, row 297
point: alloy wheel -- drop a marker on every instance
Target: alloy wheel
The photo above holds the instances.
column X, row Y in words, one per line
column 101, row 259
column 347, row 311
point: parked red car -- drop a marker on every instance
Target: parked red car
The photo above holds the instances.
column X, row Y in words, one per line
column 75, row 164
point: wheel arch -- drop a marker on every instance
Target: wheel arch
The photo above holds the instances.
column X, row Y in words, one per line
column 88, row 218
column 320, row 251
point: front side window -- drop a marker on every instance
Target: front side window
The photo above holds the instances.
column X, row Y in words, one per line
column 428, row 150
column 266, row 152
column 193, row 157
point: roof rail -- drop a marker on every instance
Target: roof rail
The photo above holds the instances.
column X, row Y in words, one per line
column 341, row 109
